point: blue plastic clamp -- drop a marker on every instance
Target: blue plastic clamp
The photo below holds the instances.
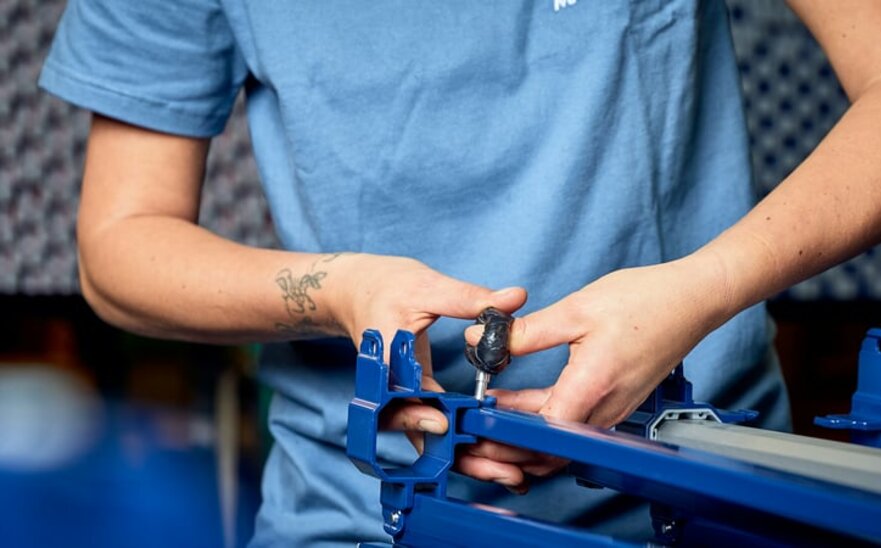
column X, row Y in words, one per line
column 376, row 386
column 864, row 419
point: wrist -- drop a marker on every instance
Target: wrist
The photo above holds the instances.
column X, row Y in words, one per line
column 311, row 290
column 344, row 290
column 714, row 291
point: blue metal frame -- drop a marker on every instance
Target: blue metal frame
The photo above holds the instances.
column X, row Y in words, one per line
column 685, row 485
column 700, row 483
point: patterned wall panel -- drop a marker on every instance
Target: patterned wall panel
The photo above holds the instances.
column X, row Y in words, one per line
column 792, row 99
column 41, row 146
column 42, row 142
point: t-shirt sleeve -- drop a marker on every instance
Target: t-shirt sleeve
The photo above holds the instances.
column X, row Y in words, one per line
column 168, row 66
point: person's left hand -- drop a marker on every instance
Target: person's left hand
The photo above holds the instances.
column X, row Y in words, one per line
column 626, row 332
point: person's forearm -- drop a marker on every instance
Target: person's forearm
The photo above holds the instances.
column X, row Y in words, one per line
column 826, row 211
column 165, row 277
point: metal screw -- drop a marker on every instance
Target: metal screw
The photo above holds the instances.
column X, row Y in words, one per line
column 480, row 387
column 395, row 517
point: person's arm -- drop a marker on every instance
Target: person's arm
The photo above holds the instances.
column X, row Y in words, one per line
column 829, row 208
column 146, row 266
column 628, row 330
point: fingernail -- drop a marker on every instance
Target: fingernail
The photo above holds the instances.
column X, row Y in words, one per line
column 503, row 291
column 431, row 426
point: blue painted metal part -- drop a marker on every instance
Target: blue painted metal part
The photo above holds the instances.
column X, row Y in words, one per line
column 864, row 420
column 722, row 494
column 675, row 394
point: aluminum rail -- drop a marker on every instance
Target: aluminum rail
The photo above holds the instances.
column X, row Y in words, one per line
column 840, row 463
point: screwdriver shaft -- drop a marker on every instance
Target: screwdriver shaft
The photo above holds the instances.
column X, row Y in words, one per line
column 482, row 382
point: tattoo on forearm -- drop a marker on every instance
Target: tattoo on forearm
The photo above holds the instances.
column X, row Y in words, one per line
column 331, row 257
column 297, row 295
column 295, row 292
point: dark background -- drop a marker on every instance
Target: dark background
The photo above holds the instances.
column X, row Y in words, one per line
column 205, row 399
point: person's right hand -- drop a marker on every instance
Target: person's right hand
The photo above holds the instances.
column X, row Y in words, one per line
column 391, row 293
column 626, row 332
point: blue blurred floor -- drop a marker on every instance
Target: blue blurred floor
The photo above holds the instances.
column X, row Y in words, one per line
column 141, row 483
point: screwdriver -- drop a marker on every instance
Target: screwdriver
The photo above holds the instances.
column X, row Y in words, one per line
column 490, row 355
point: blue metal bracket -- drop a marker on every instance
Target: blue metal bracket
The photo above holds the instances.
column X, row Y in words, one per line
column 864, row 420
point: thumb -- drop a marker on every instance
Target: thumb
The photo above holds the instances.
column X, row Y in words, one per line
column 450, row 297
column 530, row 399
column 423, row 354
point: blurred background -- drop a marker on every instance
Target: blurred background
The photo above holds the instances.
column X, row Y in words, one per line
column 103, row 433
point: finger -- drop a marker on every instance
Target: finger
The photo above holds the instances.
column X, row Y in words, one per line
column 413, row 416
column 429, row 384
column 560, row 323
column 530, row 400
column 445, row 296
column 484, row 469
column 423, row 355
column 501, row 453
column 417, row 440
column 473, row 334
column 545, row 466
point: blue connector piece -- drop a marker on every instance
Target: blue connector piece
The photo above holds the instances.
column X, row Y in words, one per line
column 672, row 399
column 864, row 419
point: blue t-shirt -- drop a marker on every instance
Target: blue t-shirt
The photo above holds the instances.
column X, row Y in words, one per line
column 503, row 142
